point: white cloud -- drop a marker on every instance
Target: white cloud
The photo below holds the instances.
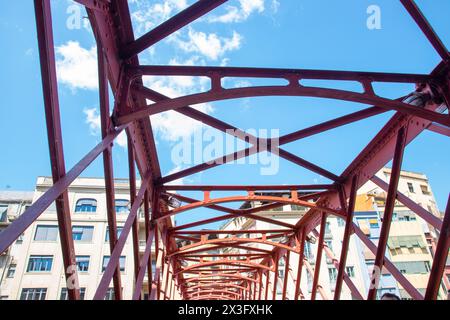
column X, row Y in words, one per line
column 235, row 14
column 76, row 66
column 93, row 119
column 147, row 15
column 209, row 45
column 122, row 140
column 173, row 126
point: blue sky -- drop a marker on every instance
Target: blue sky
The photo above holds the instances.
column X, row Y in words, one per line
column 307, row 34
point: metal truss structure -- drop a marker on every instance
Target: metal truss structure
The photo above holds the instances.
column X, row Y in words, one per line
column 250, row 272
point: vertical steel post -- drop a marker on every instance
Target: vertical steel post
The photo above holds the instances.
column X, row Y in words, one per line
column 286, row 274
column 347, row 232
column 147, row 233
column 106, row 128
column 54, row 135
column 260, row 286
column 388, row 210
column 323, row 224
column 275, row 277
column 440, row 257
column 266, row 293
column 163, row 272
column 301, row 258
column 132, row 174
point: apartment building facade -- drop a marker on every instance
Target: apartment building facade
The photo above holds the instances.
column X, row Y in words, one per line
column 409, row 241
column 12, row 205
column 412, row 240
column 38, row 268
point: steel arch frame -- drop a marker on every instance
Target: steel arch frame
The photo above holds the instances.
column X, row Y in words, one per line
column 119, row 65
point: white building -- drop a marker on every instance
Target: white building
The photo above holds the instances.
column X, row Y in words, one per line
column 12, row 205
column 38, row 267
column 359, row 259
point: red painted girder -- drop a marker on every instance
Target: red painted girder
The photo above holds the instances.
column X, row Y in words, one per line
column 208, row 71
column 115, row 255
column 220, row 125
column 132, row 183
column 170, row 26
column 306, row 164
column 108, row 164
column 231, row 231
column 225, row 127
column 230, row 245
column 231, row 285
column 247, row 188
column 389, row 207
column 412, row 291
column 234, row 213
column 192, row 200
column 440, row 257
column 143, row 264
column 301, row 259
column 426, row 28
column 353, row 289
column 112, row 30
column 100, row 5
column 286, row 274
column 10, row 234
column 303, row 133
column 417, row 209
column 231, row 240
column 55, row 139
column 347, row 233
column 246, row 198
column 439, row 129
column 318, row 256
column 149, row 231
column 218, row 275
column 226, row 255
column 293, row 90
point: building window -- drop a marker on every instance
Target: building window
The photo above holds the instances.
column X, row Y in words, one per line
column 65, row 294
column 341, row 222
column 309, row 280
column 373, row 223
column 110, row 295
column 154, row 269
column 20, row 239
column 40, row 264
column 46, row 233
column 329, row 244
column 33, row 294
column 122, row 206
column 119, row 232
column 82, row 233
column 410, row 187
column 332, row 273
column 308, row 252
column 3, row 213
column 350, row 270
column 86, row 205
column 413, row 267
column 296, row 207
column 11, row 270
column 106, row 261
column 82, row 263
column 424, row 189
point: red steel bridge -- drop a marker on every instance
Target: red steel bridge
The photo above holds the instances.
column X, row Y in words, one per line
column 250, row 273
